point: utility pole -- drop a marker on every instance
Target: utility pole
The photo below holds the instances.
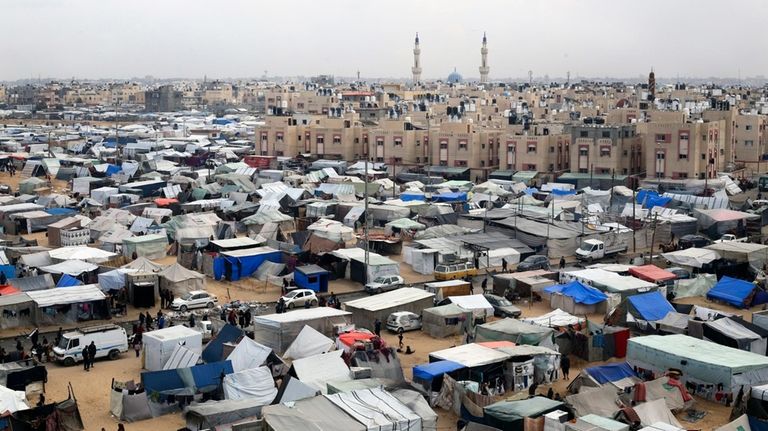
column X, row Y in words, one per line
column 365, row 215
column 634, row 223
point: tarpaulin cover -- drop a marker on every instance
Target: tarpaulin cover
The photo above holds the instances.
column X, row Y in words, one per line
column 430, row 371
column 8, row 270
column 652, row 273
column 651, row 306
column 579, row 292
column 732, row 291
column 315, row 414
column 411, row 196
column 205, row 377
column 309, row 342
column 60, row 211
column 112, row 280
column 256, row 384
column 651, row 199
column 611, row 372
column 248, row 355
column 317, row 370
column 214, row 350
column 512, row 411
column 377, row 410
column 450, row 197
column 8, row 290
column 67, row 280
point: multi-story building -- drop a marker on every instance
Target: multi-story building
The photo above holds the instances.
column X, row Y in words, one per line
column 683, row 150
column 163, row 99
column 605, row 149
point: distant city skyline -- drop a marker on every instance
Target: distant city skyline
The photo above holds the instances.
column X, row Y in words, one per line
column 91, row 39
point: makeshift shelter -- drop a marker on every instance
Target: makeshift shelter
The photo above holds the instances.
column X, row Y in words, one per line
column 159, row 345
column 70, row 267
column 237, row 264
column 619, row 375
column 704, row 364
column 719, row 221
column 477, row 304
column 68, row 305
column 733, row 291
column 513, row 415
column 128, row 402
column 17, row 311
column 87, row 254
column 278, row 331
column 315, row 413
column 377, row 409
column 736, row 333
column 180, row 280
column 360, row 271
column 366, row 310
column 316, row 370
column 151, row 246
column 484, row 362
column 249, row 354
column 309, row 342
column 142, row 264
column 515, row 331
column 692, row 257
column 652, row 273
column 445, row 320
column 181, row 357
column 211, row 414
column 429, row 377
column 254, row 383
column 755, row 254
column 649, row 306
column 55, row 229
column 576, row 298
column 697, row 286
column 63, row 415
column 311, row 277
column 556, row 318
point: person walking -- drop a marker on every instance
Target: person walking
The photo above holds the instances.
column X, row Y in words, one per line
column 562, row 262
column 400, row 343
column 504, row 265
column 248, row 317
column 377, row 327
column 191, row 320
column 565, row 365
column 137, row 347
column 141, row 318
column 484, row 284
column 91, row 354
column 85, row 358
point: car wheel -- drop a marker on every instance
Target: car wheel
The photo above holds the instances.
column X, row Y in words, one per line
column 113, row 354
column 69, row 361
column 379, row 290
column 400, row 329
column 183, row 308
column 290, row 306
column 209, row 305
column 313, row 303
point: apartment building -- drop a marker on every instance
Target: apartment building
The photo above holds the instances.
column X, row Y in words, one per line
column 745, row 141
column 546, row 152
column 605, row 149
column 683, row 150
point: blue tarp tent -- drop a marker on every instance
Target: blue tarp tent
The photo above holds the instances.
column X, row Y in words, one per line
column 559, row 192
column 112, row 280
column 650, row 306
column 412, row 196
column 186, row 381
column 450, row 197
column 112, row 169
column 8, row 270
column 732, row 291
column 214, row 350
column 239, row 264
column 60, row 211
column 610, row 372
column 311, row 277
column 530, row 191
column 67, row 280
column 650, row 199
column 580, row 293
column 428, row 372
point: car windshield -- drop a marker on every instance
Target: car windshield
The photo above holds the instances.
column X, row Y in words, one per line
column 503, row 302
column 292, row 294
column 379, row 280
column 586, row 247
column 63, row 343
column 186, row 296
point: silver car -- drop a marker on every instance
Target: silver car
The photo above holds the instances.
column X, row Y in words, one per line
column 403, row 321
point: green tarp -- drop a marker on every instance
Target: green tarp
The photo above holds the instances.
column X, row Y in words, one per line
column 515, row 331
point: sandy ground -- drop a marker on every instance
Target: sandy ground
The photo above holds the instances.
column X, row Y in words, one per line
column 92, row 388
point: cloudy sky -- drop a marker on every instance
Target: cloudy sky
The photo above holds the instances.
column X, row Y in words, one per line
column 245, row 38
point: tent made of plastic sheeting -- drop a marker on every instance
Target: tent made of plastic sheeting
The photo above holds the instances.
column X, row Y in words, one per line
column 12, row 401
column 211, row 414
column 332, row 230
column 416, row 402
column 692, row 257
column 316, row 370
column 142, row 264
column 692, row 287
column 701, row 361
column 725, row 218
column 180, row 280
column 68, row 281
column 248, row 354
column 71, row 267
column 37, row 260
column 377, row 265
column 515, row 331
column 477, row 304
column 618, row 375
column 237, row 264
column 421, row 260
column 255, row 383
column 755, row 254
column 442, row 231
column 278, row 331
column 556, row 318
column 366, row 310
column 181, row 357
column 601, row 401
column 102, row 194
column 511, row 415
column 576, row 298
column 736, row 333
column 156, row 214
column 160, row 344
column 653, row 413
column 405, row 223
column 470, row 355
column 733, row 291
column 652, row 273
column 377, row 409
column 17, row 310
column 87, row 254
column 128, row 402
column 38, row 282
column 88, row 293
column 445, row 320
column 312, row 414
column 309, row 342
column 149, row 246
column 650, row 306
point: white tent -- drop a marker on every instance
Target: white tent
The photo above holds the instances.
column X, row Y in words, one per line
column 377, row 410
column 316, row 370
column 181, row 357
column 255, row 384
column 693, row 257
column 555, row 318
column 160, row 344
column 70, row 267
column 67, row 295
column 309, row 342
column 248, row 354
column 471, row 355
column 12, row 401
column 477, row 304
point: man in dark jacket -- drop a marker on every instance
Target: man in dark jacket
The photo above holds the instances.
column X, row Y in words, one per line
column 91, row 354
column 85, row 358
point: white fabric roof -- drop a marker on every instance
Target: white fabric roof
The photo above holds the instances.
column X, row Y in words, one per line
column 393, row 298
column 377, row 410
column 301, row 314
column 248, row 354
column 554, row 319
column 254, row 384
column 309, row 342
column 316, row 370
column 471, row 355
column 88, row 254
column 71, row 267
column 473, row 302
column 12, row 401
column 235, row 242
column 694, row 257
column 67, row 295
column 181, row 357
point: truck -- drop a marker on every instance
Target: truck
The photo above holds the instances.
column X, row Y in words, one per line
column 594, row 249
column 729, row 237
column 110, row 340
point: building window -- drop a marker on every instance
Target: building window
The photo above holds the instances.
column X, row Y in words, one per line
column 662, row 138
column 463, row 145
column 532, row 148
column 460, row 163
column 584, row 134
column 418, row 143
column 605, row 151
column 380, row 159
column 337, row 139
column 279, row 154
column 530, row 167
column 749, row 127
column 443, row 163
column 379, row 142
column 606, row 134
column 443, row 145
column 583, row 151
column 551, row 149
column 398, row 160
column 418, row 159
column 398, row 142
column 749, row 143
column 279, row 138
column 320, row 139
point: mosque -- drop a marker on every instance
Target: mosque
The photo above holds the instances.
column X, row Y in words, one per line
column 454, row 77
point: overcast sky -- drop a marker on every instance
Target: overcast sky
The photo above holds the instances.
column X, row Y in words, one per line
column 233, row 38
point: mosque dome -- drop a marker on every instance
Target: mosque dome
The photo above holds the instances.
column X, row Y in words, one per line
column 455, row 77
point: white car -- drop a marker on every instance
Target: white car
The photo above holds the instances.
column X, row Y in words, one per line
column 384, row 283
column 403, row 321
column 194, row 299
column 298, row 297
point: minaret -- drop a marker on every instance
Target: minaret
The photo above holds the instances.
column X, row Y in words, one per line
column 652, row 85
column 484, row 69
column 416, row 69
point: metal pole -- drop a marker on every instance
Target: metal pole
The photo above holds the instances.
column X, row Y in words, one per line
column 365, row 226
column 634, row 223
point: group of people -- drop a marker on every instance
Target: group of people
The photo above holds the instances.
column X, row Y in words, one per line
column 237, row 317
column 89, row 355
column 166, row 298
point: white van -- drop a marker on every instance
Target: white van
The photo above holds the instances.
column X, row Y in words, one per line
column 110, row 340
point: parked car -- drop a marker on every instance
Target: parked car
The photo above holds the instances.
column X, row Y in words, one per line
column 688, row 241
column 110, row 340
column 455, row 270
column 403, row 321
column 502, row 307
column 194, row 299
column 536, row 261
column 384, row 283
column 298, row 297
column 679, row 272
column 5, row 189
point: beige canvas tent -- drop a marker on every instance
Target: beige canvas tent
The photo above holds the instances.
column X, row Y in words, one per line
column 180, row 280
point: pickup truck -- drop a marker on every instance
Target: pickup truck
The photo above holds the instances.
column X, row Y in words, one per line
column 730, row 238
column 594, row 249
